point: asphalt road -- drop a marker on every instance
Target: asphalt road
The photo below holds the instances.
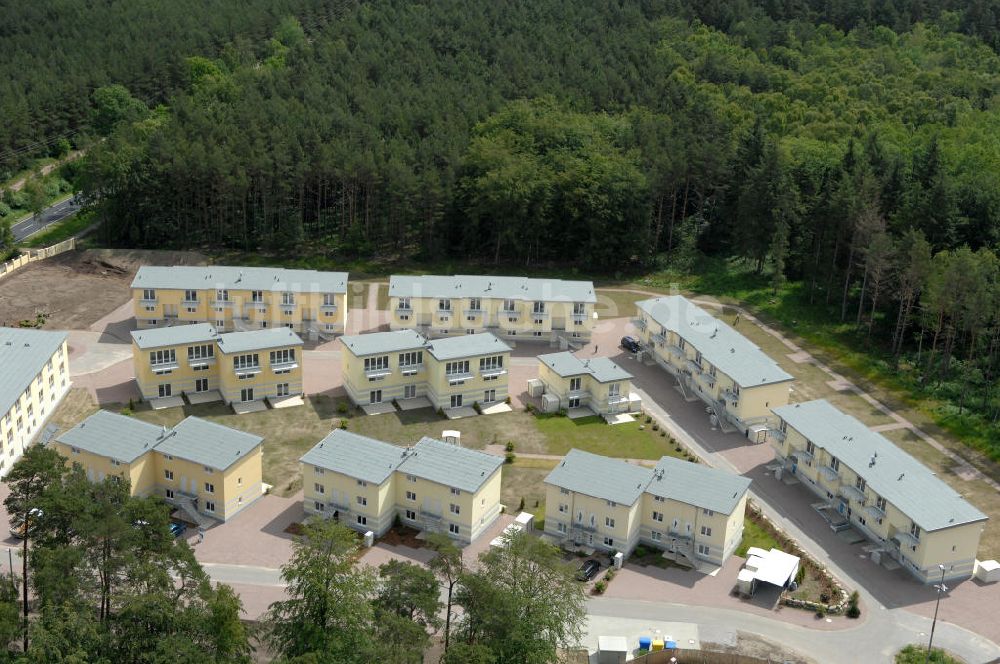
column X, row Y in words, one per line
column 62, row 210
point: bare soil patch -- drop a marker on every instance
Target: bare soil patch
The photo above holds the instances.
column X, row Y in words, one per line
column 76, row 289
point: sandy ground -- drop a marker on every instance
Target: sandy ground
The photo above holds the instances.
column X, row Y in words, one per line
column 76, row 289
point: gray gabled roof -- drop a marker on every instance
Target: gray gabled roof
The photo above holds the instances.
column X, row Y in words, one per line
column 511, row 288
column 356, row 456
column 450, row 465
column 735, row 355
column 175, row 335
column 566, row 364
column 383, row 342
column 272, row 337
column 697, row 485
column 466, row 345
column 210, row 444
column 276, row 279
column 23, row 353
column 600, row 477
column 115, row 436
column 889, row 471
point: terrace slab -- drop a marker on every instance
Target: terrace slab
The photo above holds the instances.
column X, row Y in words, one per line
column 286, row 402
column 197, row 398
column 244, row 407
column 459, row 413
column 415, row 403
column 496, row 409
column 166, row 402
column 378, row 408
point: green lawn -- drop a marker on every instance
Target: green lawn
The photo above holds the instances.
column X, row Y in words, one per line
column 755, row 535
column 594, row 435
column 616, row 304
column 523, row 479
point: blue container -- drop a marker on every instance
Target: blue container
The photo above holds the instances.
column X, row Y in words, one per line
column 645, row 643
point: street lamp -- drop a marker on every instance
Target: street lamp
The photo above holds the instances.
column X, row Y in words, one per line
column 941, row 588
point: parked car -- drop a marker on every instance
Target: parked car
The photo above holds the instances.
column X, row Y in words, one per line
column 177, row 528
column 588, row 570
column 17, row 526
column 630, row 344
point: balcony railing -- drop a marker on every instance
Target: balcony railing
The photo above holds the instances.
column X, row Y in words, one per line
column 163, row 366
column 905, row 539
column 875, row 512
column 410, row 369
column 285, row 366
column 190, row 303
column 658, row 339
column 377, row 372
column 803, row 455
column 639, row 323
column 457, row 376
column 853, row 493
column 247, row 370
column 729, row 395
column 829, row 473
column 222, row 303
column 694, row 366
column 617, row 398
column 328, row 307
column 492, row 371
column 474, row 312
column 200, row 361
column 404, row 309
column 539, row 314
column 444, row 312
column 586, row 527
column 578, row 316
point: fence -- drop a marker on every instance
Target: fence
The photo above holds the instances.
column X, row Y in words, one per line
column 701, row 657
column 32, row 255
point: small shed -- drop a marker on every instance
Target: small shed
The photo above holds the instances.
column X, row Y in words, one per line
column 612, row 649
column 550, row 403
column 775, row 568
column 535, row 387
column 634, row 402
column 988, row 571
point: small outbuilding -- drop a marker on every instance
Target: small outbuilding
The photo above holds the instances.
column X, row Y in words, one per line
column 775, row 568
column 612, row 649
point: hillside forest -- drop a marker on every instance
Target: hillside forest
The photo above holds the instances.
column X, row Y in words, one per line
column 845, row 150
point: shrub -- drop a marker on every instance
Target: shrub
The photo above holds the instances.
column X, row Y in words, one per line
column 693, row 459
column 520, row 507
column 127, row 412
column 509, row 446
column 507, row 400
column 821, row 612
column 396, row 521
column 640, row 551
column 131, row 403
column 853, row 611
column 801, row 574
column 663, row 434
column 600, row 587
column 677, row 449
column 648, row 419
column 610, row 575
column 342, row 407
column 656, row 427
column 476, row 407
column 528, row 408
column 824, row 596
column 509, row 457
column 343, row 424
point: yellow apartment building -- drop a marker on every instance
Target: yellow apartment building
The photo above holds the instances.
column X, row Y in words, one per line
column 197, row 362
column 236, row 299
column 509, row 307
column 591, row 382
column 713, row 362
column 206, row 470
column 434, row 486
column 916, row 519
column 34, row 377
column 403, row 365
column 690, row 511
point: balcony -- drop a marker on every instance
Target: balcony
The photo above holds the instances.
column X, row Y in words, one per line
column 222, row 303
column 803, row 456
column 875, row 512
column 377, row 372
column 163, row 367
column 578, row 316
column 829, row 473
column 853, row 493
column 474, row 312
column 149, row 301
column 458, row 376
column 658, row 339
column 405, row 310
column 729, row 395
column 587, row 528
column 328, row 307
column 639, row 323
column 444, row 313
column 190, row 303
column 248, row 370
column 285, row 366
column 410, row 369
column 694, row 367
column 678, row 535
column 494, row 371
column 539, row 314
column 617, row 399
column 198, row 362
column 905, row 539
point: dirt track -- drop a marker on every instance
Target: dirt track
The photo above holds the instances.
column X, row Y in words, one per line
column 76, row 289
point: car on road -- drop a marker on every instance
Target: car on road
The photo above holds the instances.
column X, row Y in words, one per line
column 588, row 570
column 630, row 344
column 177, row 528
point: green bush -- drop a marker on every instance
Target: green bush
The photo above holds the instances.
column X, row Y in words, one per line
column 821, row 612
column 600, row 587
column 853, row 611
column 824, row 596
column 640, row 551
column 520, row 506
column 509, row 446
column 648, row 419
column 342, row 407
column 800, row 575
column 914, row 654
column 509, row 457
column 343, row 424
column 656, row 427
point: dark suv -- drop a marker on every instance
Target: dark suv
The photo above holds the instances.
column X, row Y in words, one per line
column 630, row 344
column 588, row 570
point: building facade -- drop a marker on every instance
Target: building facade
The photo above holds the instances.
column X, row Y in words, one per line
column 690, row 511
column 596, row 382
column 34, row 377
column 896, row 501
column 198, row 362
column 508, row 307
column 202, row 468
column 236, row 299
column 433, row 486
column 713, row 362
column 448, row 373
